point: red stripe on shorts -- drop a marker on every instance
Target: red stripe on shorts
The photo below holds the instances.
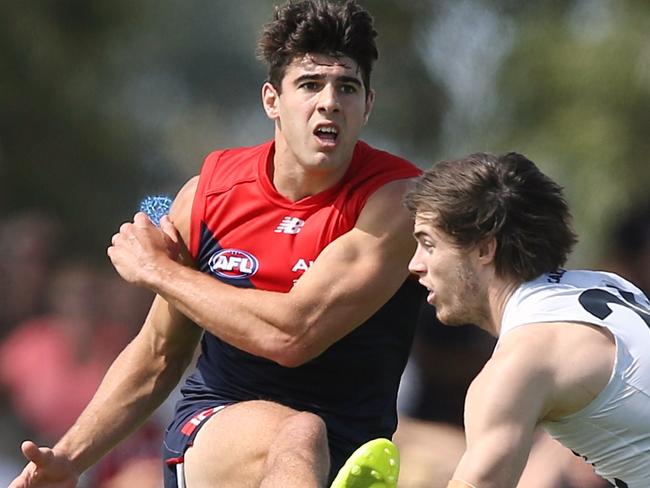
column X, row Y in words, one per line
column 191, row 425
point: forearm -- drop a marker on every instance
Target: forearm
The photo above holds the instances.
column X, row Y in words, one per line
column 494, row 461
column 289, row 327
column 259, row 322
column 132, row 389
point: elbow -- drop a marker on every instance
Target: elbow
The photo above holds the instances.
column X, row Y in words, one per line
column 289, row 361
column 294, row 351
column 296, row 345
column 292, row 355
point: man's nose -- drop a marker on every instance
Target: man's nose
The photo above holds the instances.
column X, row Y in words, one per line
column 415, row 264
column 328, row 100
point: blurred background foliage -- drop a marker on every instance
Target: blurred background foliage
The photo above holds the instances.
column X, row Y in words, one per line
column 102, row 103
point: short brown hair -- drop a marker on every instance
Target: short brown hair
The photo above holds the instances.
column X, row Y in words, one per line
column 318, row 27
column 506, row 197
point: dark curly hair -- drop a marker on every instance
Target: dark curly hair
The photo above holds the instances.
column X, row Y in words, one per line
column 319, row 27
column 506, row 197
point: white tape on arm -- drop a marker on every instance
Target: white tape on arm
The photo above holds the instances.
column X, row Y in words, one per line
column 460, row 484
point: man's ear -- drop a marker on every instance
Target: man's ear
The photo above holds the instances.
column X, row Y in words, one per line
column 270, row 99
column 487, row 250
column 370, row 101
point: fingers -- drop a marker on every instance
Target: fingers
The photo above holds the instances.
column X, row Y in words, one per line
column 18, row 483
column 45, row 469
column 121, row 233
column 128, row 229
column 21, row 481
column 168, row 228
column 142, row 220
column 38, row 455
column 140, row 242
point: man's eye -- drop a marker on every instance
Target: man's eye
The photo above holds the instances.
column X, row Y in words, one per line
column 309, row 85
column 348, row 89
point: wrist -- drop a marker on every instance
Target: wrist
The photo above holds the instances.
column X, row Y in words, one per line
column 68, row 460
column 154, row 275
column 160, row 274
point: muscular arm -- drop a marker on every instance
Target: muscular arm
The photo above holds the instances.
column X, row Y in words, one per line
column 139, row 379
column 137, row 382
column 503, row 406
column 350, row 280
column 540, row 372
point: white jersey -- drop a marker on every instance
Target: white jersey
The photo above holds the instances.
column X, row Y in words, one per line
column 613, row 431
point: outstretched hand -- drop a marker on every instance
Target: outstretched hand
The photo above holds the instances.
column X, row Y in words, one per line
column 140, row 248
column 46, row 469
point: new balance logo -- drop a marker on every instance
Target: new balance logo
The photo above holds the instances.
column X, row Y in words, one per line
column 290, row 225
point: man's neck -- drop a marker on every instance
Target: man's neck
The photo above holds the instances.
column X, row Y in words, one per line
column 294, row 180
column 499, row 294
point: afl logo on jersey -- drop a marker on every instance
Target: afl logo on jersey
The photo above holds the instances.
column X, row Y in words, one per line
column 233, row 264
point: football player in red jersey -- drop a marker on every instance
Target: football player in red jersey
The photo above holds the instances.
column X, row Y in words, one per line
column 281, row 260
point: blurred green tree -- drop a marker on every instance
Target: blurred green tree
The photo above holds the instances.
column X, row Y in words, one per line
column 59, row 149
column 566, row 82
column 575, row 94
column 101, row 103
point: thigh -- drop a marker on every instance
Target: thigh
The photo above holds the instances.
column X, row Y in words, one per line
column 230, row 449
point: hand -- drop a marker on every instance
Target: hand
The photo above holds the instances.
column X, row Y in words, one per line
column 46, row 469
column 140, row 248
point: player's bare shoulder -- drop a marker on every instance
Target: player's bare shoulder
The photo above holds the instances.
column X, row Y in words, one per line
column 518, row 372
column 181, row 211
column 577, row 357
column 384, row 211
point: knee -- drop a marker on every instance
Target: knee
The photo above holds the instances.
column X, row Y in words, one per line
column 307, row 424
column 302, row 440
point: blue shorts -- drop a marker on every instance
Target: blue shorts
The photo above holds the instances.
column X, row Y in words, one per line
column 180, row 435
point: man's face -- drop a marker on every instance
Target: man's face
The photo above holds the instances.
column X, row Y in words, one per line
column 450, row 273
column 320, row 110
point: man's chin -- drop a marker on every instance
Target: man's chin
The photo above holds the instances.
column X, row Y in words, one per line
column 450, row 320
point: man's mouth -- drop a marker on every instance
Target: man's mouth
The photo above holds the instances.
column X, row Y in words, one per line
column 327, row 133
column 430, row 292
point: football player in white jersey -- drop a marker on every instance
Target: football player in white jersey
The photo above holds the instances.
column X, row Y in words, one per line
column 573, row 351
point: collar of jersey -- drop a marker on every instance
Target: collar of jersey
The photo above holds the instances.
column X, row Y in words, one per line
column 316, row 200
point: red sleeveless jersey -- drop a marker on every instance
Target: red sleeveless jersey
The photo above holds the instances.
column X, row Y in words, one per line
column 245, row 233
